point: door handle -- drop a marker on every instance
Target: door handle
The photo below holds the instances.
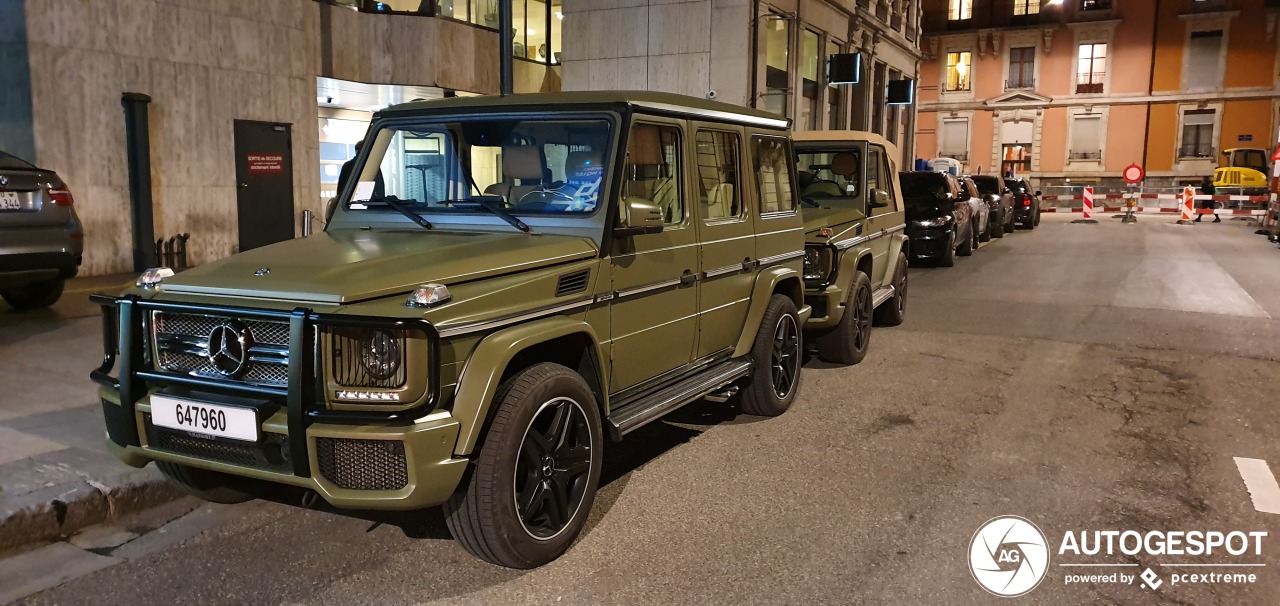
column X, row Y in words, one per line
column 244, row 185
column 688, row 278
column 748, row 264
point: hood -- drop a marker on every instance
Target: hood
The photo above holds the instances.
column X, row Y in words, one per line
column 929, row 208
column 350, row 265
column 837, row 219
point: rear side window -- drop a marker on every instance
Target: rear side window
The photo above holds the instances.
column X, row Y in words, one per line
column 652, row 171
column 926, row 185
column 775, row 174
column 718, row 180
column 7, row 161
column 880, row 177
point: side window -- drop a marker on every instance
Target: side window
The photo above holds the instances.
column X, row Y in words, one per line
column 718, row 181
column 652, row 171
column 774, row 174
column 879, row 177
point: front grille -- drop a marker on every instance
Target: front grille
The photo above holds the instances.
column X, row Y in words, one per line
column 182, row 346
column 363, row 464
column 268, row 455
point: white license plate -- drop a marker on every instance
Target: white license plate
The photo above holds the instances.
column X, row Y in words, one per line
column 203, row 418
column 9, row 201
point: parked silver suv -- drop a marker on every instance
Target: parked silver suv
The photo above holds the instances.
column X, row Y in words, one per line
column 41, row 240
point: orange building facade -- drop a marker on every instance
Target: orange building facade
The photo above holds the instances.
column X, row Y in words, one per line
column 1072, row 93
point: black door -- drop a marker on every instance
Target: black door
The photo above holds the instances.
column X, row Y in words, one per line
column 264, row 183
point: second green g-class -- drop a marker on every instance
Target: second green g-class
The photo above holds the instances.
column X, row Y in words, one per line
column 504, row 283
column 855, row 266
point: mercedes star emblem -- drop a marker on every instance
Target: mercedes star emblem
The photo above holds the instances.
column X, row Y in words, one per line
column 229, row 344
column 4, row 180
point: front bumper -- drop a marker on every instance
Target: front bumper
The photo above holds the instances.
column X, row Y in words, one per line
column 378, row 467
column 929, row 243
column 365, row 460
column 827, row 304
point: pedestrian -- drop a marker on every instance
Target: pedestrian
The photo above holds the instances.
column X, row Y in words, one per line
column 1206, row 188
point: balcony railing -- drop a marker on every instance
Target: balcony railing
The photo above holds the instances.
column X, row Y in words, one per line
column 1196, row 151
column 1085, row 155
column 940, row 21
column 1089, row 83
column 1020, row 84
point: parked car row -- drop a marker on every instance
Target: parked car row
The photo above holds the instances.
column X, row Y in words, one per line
column 950, row 216
column 466, row 332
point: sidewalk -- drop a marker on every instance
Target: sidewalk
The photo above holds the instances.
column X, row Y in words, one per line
column 55, row 473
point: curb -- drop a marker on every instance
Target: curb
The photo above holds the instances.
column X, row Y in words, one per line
column 58, row 511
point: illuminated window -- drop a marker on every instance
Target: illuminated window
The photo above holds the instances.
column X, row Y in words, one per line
column 1026, row 7
column 958, row 68
column 1091, row 67
column 777, row 79
column 959, row 10
column 809, row 88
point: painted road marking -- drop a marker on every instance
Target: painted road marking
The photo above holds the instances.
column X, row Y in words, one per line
column 1261, row 484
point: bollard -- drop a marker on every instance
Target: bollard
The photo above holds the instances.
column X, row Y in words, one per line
column 1188, row 198
column 306, row 223
column 181, row 253
column 1088, row 207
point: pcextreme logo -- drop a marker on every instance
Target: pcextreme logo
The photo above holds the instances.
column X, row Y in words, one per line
column 1008, row 556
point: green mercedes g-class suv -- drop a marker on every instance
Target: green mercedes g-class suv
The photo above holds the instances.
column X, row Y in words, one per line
column 855, row 269
column 504, row 283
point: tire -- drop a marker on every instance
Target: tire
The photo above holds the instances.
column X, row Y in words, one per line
column 34, row 295
column 985, row 236
column 208, row 485
column 893, row 311
column 1011, row 222
column 777, row 354
column 543, row 413
column 948, row 258
column 997, row 230
column 848, row 342
column 1029, row 222
column 1037, row 223
column 966, row 249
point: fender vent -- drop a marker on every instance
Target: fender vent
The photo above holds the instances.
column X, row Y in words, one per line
column 572, row 283
column 857, row 231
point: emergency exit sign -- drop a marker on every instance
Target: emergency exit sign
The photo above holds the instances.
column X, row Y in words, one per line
column 265, row 163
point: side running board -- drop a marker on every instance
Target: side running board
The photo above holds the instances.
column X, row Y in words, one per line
column 881, row 295
column 635, row 414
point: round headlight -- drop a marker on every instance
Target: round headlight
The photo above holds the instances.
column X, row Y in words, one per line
column 380, row 354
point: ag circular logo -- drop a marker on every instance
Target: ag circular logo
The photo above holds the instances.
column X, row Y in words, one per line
column 1008, row 556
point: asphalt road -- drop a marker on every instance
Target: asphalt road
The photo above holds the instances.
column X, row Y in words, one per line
column 1084, row 377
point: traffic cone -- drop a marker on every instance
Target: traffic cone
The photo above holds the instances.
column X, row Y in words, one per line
column 1088, row 207
column 1188, row 196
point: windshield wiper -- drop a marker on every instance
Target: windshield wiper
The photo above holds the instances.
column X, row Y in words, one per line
column 810, row 201
column 493, row 205
column 398, row 205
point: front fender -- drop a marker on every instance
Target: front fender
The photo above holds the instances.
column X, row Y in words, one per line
column 790, row 282
column 488, row 362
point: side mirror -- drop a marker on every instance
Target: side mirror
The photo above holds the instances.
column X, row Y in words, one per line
column 639, row 216
column 880, row 198
column 1037, row 193
column 331, row 208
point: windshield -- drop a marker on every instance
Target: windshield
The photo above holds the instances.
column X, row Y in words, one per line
column 524, row 166
column 831, row 178
column 923, row 186
column 7, row 161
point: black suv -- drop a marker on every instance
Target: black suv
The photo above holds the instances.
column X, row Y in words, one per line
column 940, row 221
column 1026, row 203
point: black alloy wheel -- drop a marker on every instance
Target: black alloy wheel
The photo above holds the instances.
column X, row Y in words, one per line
column 862, row 312
column 785, row 359
column 553, row 468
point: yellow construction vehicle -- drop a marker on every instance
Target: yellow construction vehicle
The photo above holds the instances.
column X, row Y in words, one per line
column 1244, row 173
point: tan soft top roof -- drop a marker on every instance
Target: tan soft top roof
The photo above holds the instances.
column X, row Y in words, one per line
column 668, row 103
column 846, row 136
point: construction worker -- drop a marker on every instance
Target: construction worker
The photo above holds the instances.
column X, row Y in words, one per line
column 1206, row 188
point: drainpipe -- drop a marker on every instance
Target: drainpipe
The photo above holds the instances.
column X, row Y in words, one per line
column 1151, row 84
column 506, row 38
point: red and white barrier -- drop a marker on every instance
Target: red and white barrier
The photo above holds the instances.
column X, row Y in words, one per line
column 1188, row 195
column 1088, row 203
column 1167, row 204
